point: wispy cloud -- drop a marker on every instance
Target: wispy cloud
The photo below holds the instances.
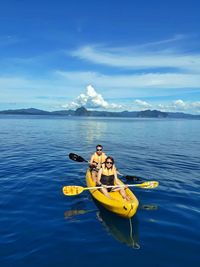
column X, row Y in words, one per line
column 134, row 81
column 161, row 43
column 27, row 90
column 140, row 57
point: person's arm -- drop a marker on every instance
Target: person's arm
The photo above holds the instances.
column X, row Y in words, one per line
column 91, row 160
column 115, row 175
column 104, row 155
column 92, row 164
column 118, row 172
column 117, row 180
column 99, row 178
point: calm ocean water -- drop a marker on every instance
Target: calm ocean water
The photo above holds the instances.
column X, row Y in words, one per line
column 41, row 227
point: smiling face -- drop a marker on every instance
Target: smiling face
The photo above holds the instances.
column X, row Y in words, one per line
column 109, row 163
column 99, row 150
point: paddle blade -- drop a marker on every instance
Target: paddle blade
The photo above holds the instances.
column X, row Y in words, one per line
column 72, row 190
column 76, row 157
column 149, row 185
column 133, row 178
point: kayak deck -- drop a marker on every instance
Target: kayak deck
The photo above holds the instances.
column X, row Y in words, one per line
column 117, row 205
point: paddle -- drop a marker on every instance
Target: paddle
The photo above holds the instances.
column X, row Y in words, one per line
column 78, row 158
column 132, row 178
column 72, row 190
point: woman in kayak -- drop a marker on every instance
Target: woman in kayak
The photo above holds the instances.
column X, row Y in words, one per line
column 107, row 176
column 96, row 161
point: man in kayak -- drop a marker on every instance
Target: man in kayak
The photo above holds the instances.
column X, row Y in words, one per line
column 107, row 176
column 96, row 161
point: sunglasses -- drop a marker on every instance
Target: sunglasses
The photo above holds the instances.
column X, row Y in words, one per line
column 109, row 162
column 100, row 149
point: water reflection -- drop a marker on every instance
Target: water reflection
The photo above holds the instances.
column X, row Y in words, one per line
column 122, row 229
column 91, row 129
column 71, row 213
column 149, row 207
column 77, row 208
column 95, row 133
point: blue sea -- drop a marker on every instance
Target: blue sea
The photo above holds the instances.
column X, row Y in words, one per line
column 39, row 226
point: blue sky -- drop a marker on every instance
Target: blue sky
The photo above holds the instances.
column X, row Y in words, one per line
column 111, row 55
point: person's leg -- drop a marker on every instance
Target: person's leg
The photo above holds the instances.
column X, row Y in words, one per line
column 105, row 192
column 123, row 193
column 94, row 176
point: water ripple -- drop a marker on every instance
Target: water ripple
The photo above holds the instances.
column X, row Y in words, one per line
column 41, row 226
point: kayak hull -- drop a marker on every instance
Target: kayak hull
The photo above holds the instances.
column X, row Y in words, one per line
column 117, row 205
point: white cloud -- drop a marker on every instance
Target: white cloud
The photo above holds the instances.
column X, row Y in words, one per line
column 138, row 57
column 142, row 104
column 196, row 105
column 27, row 91
column 180, row 106
column 91, row 99
column 157, row 44
column 134, row 81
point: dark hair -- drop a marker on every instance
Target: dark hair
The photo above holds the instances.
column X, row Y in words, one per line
column 99, row 146
column 111, row 158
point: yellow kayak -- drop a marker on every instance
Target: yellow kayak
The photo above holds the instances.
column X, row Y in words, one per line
column 117, row 205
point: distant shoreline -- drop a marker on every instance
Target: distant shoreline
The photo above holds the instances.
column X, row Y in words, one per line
column 87, row 113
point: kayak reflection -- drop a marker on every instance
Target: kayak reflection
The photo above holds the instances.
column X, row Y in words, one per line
column 149, row 207
column 122, row 229
column 72, row 213
column 77, row 208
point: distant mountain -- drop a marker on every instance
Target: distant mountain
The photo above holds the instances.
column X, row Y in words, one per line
column 152, row 114
column 82, row 111
column 28, row 111
column 180, row 115
column 63, row 112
